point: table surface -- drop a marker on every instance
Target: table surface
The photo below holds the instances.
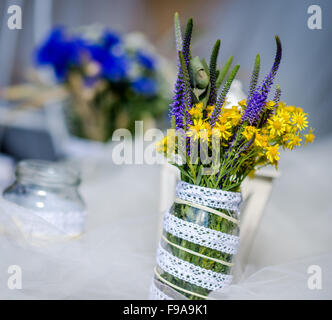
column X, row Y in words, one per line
column 114, row 258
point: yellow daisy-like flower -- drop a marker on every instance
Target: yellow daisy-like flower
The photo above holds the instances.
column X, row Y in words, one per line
column 249, row 131
column 161, row 145
column 261, row 140
column 196, row 111
column 223, row 128
column 242, row 103
column 284, row 114
column 281, row 104
column 270, row 105
column 168, row 143
column 234, row 115
column 272, row 153
column 299, row 119
column 276, row 125
column 294, row 141
column 290, row 108
column 309, row 137
column 198, row 129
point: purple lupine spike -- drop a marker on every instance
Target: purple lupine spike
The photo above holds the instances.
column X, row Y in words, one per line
column 177, row 106
column 181, row 97
column 257, row 101
column 187, row 41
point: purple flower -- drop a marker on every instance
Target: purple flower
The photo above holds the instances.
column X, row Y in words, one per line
column 256, row 103
column 177, row 107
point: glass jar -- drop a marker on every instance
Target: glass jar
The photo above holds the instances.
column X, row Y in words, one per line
column 198, row 243
column 48, row 191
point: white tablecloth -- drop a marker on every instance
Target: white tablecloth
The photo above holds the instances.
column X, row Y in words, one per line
column 114, row 259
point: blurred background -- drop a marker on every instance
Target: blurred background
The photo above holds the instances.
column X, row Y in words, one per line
column 245, row 28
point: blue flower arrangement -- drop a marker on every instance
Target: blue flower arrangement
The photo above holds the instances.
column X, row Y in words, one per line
column 112, row 85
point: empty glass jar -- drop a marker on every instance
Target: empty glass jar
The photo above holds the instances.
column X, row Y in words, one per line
column 44, row 199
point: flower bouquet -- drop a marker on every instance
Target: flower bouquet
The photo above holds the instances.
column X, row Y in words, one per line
column 112, row 80
column 215, row 149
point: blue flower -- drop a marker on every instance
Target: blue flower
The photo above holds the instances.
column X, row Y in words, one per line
column 146, row 60
column 110, row 39
column 113, row 67
column 60, row 52
column 145, row 86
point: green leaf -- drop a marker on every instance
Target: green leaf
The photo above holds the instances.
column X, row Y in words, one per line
column 213, row 68
column 254, row 76
column 224, row 91
column 224, row 71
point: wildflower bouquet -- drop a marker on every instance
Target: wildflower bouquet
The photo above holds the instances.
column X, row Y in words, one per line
column 112, row 81
column 215, row 149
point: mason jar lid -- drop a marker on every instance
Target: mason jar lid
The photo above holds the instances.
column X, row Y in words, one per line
column 47, row 172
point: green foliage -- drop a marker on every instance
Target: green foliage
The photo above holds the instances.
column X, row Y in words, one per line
column 254, row 76
column 198, row 76
column 227, row 86
column 223, row 72
column 213, row 68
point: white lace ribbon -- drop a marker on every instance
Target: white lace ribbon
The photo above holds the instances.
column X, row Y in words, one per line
column 209, row 197
column 191, row 273
column 45, row 223
column 200, row 235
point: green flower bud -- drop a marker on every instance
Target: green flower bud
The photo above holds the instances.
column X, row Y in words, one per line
column 198, row 75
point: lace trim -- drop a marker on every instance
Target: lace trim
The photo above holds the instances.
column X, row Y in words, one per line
column 45, row 223
column 209, row 197
column 186, row 271
column 157, row 294
column 200, row 235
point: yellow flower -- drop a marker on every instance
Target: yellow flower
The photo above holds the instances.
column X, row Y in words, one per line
column 196, row 111
column 209, row 110
column 223, row 129
column 284, row 114
column 168, row 143
column 276, row 125
column 199, row 129
column 261, row 140
column 270, row 105
column 272, row 153
column 281, row 104
column 299, row 119
column 294, row 141
column 161, row 145
column 309, row 137
column 249, row 131
column 242, row 103
column 290, row 108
